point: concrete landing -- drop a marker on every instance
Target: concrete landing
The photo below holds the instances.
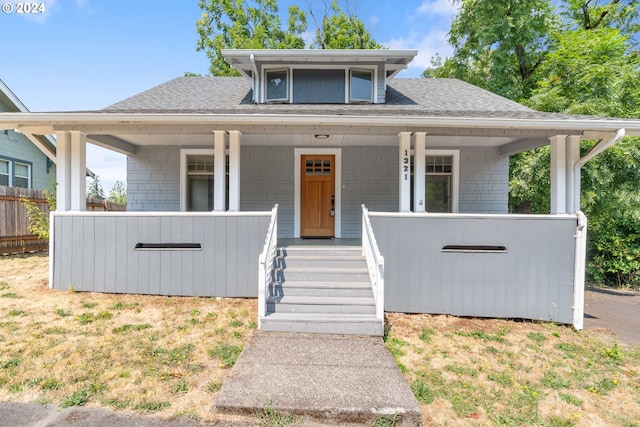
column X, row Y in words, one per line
column 332, row 378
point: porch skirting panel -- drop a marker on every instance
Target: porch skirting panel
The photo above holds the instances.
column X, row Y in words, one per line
column 509, row 266
column 204, row 254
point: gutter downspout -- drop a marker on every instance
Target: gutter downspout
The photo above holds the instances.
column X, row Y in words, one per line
column 581, row 230
column 255, row 82
column 579, row 271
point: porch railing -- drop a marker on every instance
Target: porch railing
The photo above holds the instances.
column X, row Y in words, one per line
column 375, row 262
column 266, row 261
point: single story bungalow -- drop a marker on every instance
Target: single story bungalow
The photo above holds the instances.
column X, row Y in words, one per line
column 333, row 191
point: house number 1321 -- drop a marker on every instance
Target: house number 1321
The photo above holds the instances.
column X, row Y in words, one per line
column 405, row 165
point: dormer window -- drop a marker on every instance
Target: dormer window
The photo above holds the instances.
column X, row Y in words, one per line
column 319, row 85
column 277, row 86
column 361, row 85
column 319, row 76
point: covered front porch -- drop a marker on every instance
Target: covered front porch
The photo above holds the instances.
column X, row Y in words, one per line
column 471, row 259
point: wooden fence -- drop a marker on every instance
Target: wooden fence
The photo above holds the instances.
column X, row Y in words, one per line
column 15, row 236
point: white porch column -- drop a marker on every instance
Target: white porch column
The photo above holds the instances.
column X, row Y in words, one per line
column 404, row 169
column 234, row 170
column 78, row 171
column 558, row 174
column 63, row 171
column 219, row 173
column 573, row 175
column 419, row 151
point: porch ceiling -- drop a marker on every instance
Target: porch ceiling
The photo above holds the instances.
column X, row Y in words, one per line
column 308, row 139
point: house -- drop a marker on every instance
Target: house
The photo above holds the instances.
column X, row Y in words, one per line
column 329, row 189
column 26, row 161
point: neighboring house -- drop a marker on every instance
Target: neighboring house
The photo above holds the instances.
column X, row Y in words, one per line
column 415, row 169
column 23, row 162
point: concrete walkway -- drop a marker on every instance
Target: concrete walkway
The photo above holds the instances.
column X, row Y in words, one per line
column 340, row 378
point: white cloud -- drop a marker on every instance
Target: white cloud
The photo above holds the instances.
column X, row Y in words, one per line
column 426, row 31
column 427, row 44
column 438, row 7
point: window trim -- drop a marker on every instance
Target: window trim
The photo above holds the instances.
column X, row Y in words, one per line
column 184, row 154
column 371, row 72
column 288, row 86
column 9, row 170
column 12, row 170
column 455, row 174
column 347, row 76
column 29, row 173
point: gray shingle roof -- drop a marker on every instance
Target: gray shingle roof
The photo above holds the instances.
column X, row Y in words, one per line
column 416, row 96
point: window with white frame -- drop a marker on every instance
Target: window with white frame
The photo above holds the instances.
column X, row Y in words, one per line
column 441, row 176
column 199, row 180
column 323, row 85
column 22, row 175
column 197, row 175
column 277, row 85
column 5, row 172
column 439, row 183
column 361, row 86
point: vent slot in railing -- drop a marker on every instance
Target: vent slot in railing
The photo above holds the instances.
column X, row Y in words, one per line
column 475, row 249
column 168, row 247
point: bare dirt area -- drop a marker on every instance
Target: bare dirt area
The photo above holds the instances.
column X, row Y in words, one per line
column 166, row 356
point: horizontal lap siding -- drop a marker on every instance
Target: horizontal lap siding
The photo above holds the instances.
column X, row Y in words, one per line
column 533, row 280
column 96, row 253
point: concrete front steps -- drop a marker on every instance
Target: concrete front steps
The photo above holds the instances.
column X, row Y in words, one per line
column 322, row 290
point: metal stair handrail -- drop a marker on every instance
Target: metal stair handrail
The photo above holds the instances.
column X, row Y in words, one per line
column 375, row 263
column 266, row 264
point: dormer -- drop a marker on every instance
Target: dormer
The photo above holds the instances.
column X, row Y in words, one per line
column 319, row 76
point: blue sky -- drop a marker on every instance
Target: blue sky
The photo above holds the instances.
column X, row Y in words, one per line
column 88, row 54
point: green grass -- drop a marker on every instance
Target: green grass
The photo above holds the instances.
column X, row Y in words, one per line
column 128, row 327
column 10, row 295
column 77, row 398
column 227, row 354
column 501, row 375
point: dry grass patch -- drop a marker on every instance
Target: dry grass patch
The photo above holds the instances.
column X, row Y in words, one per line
column 162, row 355
column 498, row 372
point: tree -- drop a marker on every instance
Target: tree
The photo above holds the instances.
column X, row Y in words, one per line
column 339, row 30
column 118, row 194
column 245, row 24
column 498, row 45
column 256, row 24
column 584, row 62
column 95, row 190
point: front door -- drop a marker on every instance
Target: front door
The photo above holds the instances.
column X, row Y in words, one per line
column 317, row 198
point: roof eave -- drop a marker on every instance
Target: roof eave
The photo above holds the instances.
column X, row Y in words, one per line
column 46, row 123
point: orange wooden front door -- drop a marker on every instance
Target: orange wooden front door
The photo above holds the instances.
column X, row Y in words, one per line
column 317, row 215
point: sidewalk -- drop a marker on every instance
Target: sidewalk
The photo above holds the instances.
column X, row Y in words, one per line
column 14, row 414
column 341, row 378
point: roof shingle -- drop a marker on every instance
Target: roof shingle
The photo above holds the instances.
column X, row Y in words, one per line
column 232, row 95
